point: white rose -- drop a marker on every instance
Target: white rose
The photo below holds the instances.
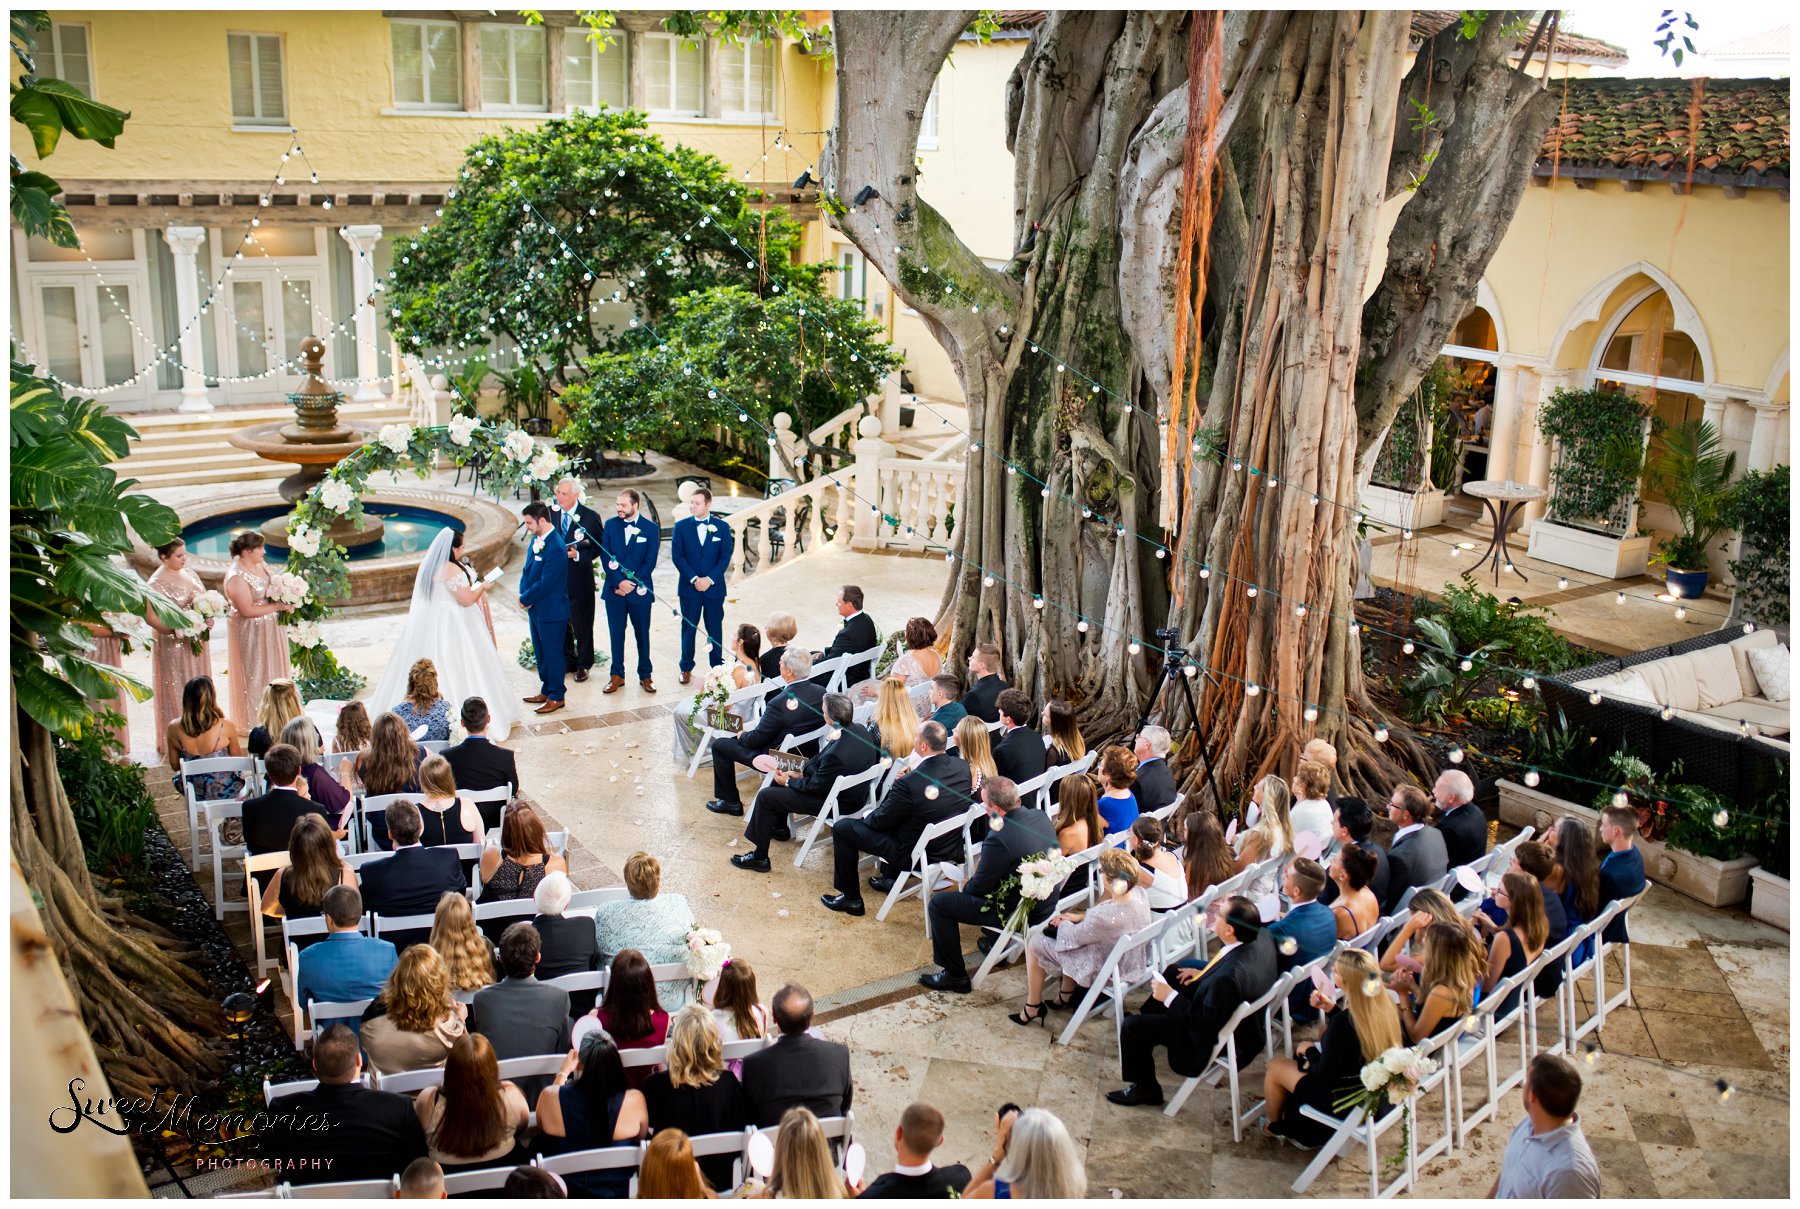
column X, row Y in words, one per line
column 1373, row 1075
column 518, row 445
column 395, row 436
column 305, row 634
column 304, row 540
column 462, row 429
column 1396, row 1060
column 545, row 464
column 336, row 495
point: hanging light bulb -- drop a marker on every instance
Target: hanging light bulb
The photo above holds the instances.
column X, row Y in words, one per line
column 1038, row 603
column 1667, row 713
column 1081, row 627
column 1529, row 683
column 1594, row 697
column 1299, row 610
column 1720, row 818
column 1681, row 613
column 1749, row 627
column 1205, row 572
column 1134, row 648
column 1406, row 534
column 1161, row 553
column 931, row 791
column 1190, row 671
column 1310, row 713
column 1456, row 755
column 987, row 581
column 1252, row 689
column 1532, row 777
column 1619, row 598
column 1466, row 664
column 1407, row 648
column 1562, row 581
column 1621, row 799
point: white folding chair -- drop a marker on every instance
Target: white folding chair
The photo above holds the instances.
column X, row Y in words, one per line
column 1225, row 1061
column 750, row 697
column 407, row 1082
column 606, row 1158
column 257, row 870
column 369, row 806
column 214, row 815
column 354, row 1190
column 1009, row 943
column 244, row 766
column 434, row 747
column 638, row 1056
column 1108, row 980
column 583, row 902
column 840, row 675
column 530, row 1067
column 833, row 809
column 919, row 692
column 502, row 794
column 274, row 1091
column 1603, row 1004
column 1480, row 1037
column 509, row 909
column 581, row 980
column 833, row 671
column 1357, row 1128
column 1440, row 1048
column 1037, row 787
column 675, row 972
column 318, row 1009
column 922, row 872
column 790, row 743
column 386, row 926
column 836, row 1129
column 486, row 1180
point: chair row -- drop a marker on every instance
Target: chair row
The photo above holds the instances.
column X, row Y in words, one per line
column 748, row 702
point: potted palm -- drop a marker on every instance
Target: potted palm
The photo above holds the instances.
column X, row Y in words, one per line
column 1693, row 472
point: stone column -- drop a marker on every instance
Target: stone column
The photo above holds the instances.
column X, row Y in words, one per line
column 890, row 401
column 185, row 243
column 1713, row 410
column 866, row 500
column 1503, row 432
column 786, row 451
column 1543, row 383
column 362, row 240
column 1765, row 451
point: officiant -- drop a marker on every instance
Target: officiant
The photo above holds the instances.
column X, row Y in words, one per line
column 631, row 543
column 579, row 527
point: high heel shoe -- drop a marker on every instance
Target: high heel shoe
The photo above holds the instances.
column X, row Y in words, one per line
column 1061, row 1003
column 1033, row 1014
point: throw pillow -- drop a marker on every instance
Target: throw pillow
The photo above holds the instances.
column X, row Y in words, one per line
column 1715, row 674
column 1740, row 653
column 1631, row 687
column 1772, row 668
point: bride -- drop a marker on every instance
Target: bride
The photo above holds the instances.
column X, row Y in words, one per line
column 449, row 624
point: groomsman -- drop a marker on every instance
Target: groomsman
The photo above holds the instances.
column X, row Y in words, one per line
column 544, row 593
column 701, row 549
column 579, row 527
column 632, row 543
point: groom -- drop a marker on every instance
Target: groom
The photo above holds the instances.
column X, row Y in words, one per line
column 544, row 593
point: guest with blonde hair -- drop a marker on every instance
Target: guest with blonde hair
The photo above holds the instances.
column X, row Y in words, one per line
column 467, row 955
column 281, row 704
column 975, row 749
column 694, row 1092
column 418, row 1019
column 1311, row 811
column 1272, row 834
column 301, row 735
column 1361, row 1024
column 803, row 1168
column 653, row 923
column 447, row 816
column 895, row 720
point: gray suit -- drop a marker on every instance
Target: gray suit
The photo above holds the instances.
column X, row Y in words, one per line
column 1028, row 832
column 523, row 1018
column 1418, row 860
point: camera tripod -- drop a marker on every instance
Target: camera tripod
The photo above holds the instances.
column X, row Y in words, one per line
column 1174, row 672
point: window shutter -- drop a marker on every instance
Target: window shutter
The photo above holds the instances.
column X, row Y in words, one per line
column 409, row 64
column 689, row 78
column 443, row 64
column 243, row 90
column 272, row 107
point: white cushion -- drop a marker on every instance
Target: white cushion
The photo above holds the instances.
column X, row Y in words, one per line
column 1672, row 681
column 1715, row 675
column 1631, row 687
column 1772, row 668
column 1740, row 654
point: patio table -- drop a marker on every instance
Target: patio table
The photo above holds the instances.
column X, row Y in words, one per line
column 1504, row 501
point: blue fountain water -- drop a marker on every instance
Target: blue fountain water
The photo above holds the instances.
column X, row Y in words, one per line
column 407, row 531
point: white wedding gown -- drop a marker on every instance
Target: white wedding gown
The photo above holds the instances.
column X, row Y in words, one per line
column 454, row 636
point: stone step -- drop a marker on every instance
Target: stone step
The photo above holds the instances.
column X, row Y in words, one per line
column 192, row 449
column 202, row 476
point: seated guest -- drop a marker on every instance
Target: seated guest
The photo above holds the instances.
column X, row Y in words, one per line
column 448, row 817
column 1417, row 856
column 652, row 923
column 1576, row 877
column 1359, row 1028
column 803, row 1168
column 1205, row 856
column 1427, row 907
column 1155, row 784
column 917, row 662
column 799, row 1070
column 1078, row 823
column 346, row 966
column 1547, row 1156
column 1352, row 822
column 738, row 1010
column 514, row 869
column 414, row 878
column 1307, row 931
column 1459, row 820
column 478, row 763
column 1034, row 1159
column 1539, row 861
column 340, row 1130
column 1015, row 834
column 390, row 764
column 1443, row 991
column 1622, row 868
column 985, row 686
column 280, row 705
column 423, row 705
column 423, row 1179
column 475, row 1118
column 347, row 742
column 694, row 1092
column 1310, row 811
column 855, row 636
column 975, row 748
column 853, row 751
column 778, row 631
column 414, row 1021
column 929, row 794
column 1272, row 834
column 521, row 1016
column 566, row 942
column 466, row 952
column 1187, row 1017
column 1116, row 770
column 269, row 819
column 945, row 708
column 1323, row 753
column 1160, row 875
column 1084, row 940
column 314, row 866
column 745, row 669
column 1063, row 743
column 203, row 732
column 1019, row 755
column 630, row 1012
column 896, row 723
column 588, row 1106
column 1354, row 910
column 746, row 657
column 301, row 735
column 1518, row 944
column 796, row 710
column 914, row 1177
column 669, row 1171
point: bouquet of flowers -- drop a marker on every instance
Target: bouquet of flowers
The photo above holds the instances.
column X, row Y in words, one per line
column 707, row 953
column 288, row 589
column 1390, row 1079
column 305, row 634
column 1038, row 878
column 130, row 628
column 206, row 606
column 715, row 690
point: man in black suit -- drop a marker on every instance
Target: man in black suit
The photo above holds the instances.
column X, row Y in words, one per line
column 411, row 881
column 1187, row 1015
column 340, row 1130
column 1351, row 823
column 1015, row 834
column 921, row 1131
column 579, row 527
column 478, row 763
column 1155, row 784
column 1417, row 856
column 797, row 710
column 853, row 751
column 1019, row 755
column 269, row 820
column 856, row 636
column 937, row 789
column 1459, row 820
column 519, row 1015
column 797, row 1071
column 985, row 685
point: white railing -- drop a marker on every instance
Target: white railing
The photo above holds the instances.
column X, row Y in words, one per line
column 916, row 498
column 787, row 453
column 779, row 529
column 423, row 402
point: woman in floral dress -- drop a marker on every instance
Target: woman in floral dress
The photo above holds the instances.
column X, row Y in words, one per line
column 256, row 639
column 172, row 657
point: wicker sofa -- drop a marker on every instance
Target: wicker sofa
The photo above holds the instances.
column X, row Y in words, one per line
column 1711, row 695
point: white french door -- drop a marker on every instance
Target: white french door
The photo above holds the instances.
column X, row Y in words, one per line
column 86, row 321
column 266, row 316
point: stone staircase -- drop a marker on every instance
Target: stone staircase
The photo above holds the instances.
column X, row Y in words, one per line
column 193, row 449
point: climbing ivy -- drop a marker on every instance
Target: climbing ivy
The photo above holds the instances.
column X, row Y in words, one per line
column 1599, row 437
column 1760, row 513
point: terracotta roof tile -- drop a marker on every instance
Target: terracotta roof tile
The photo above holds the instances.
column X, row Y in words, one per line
column 1620, row 125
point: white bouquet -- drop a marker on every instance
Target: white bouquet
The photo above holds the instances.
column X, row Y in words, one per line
column 545, row 464
column 396, row 437
column 1038, row 878
column 210, row 604
column 462, row 429
column 304, row 540
column 305, row 634
column 336, row 495
column 131, row 627
column 288, row 589
column 1391, row 1078
column 518, row 445
column 707, row 953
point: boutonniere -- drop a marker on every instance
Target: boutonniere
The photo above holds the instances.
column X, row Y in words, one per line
column 537, row 545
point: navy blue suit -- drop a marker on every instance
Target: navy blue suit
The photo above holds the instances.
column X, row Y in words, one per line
column 630, row 551
column 697, row 559
column 1314, row 932
column 544, row 591
column 580, row 532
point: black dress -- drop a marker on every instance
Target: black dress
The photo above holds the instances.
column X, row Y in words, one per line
column 582, row 1131
column 1516, row 960
column 293, row 908
column 719, row 1107
column 1335, row 1067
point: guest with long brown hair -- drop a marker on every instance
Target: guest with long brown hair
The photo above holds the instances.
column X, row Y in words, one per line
column 523, row 859
column 630, row 1012
column 314, row 866
column 1205, row 856
column 475, row 1118
column 1078, row 825
column 203, row 732
column 351, row 736
column 390, row 763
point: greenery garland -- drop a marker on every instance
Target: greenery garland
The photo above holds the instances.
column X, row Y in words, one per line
column 1599, row 437
column 1760, row 513
column 508, row 457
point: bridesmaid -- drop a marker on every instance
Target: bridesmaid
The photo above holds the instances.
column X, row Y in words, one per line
column 172, row 657
column 256, row 641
